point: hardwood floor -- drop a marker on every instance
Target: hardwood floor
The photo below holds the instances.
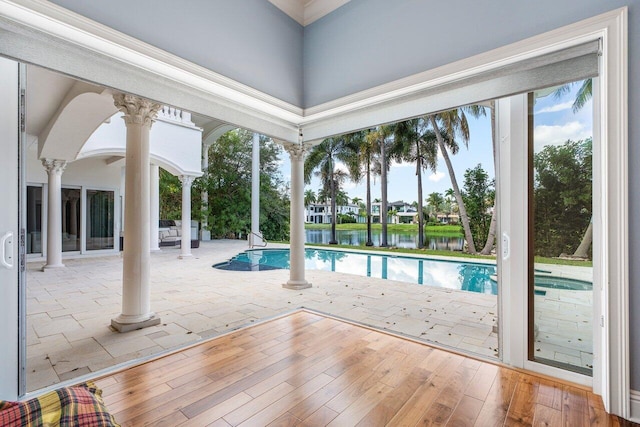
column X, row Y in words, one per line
column 308, row 370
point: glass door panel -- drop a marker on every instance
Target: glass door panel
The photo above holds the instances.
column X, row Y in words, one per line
column 560, row 228
column 34, row 220
column 70, row 220
column 100, row 219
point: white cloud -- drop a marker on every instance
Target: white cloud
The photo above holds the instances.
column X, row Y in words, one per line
column 558, row 134
column 349, row 185
column 555, row 108
column 436, row 177
column 396, row 164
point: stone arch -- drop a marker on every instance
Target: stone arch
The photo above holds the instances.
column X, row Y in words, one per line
column 81, row 112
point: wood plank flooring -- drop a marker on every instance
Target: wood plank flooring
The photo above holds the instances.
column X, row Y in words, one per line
column 309, row 370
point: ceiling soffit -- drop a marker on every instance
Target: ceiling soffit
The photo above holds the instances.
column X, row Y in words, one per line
column 307, row 11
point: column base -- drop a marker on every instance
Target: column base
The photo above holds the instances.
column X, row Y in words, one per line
column 128, row 327
column 52, row 266
column 296, row 284
column 205, row 235
column 183, row 256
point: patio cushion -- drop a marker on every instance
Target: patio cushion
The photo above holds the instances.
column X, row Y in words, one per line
column 79, row 405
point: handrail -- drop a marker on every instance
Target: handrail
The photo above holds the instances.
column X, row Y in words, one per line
column 261, row 238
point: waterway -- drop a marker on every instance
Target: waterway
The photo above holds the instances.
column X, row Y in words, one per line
column 397, row 239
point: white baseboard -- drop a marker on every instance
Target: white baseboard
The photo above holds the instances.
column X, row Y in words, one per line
column 635, row 406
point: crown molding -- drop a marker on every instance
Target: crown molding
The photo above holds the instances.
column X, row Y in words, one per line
column 316, row 9
column 306, row 12
column 61, row 23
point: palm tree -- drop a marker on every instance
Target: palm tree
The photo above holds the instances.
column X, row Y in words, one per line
column 356, row 201
column 321, row 160
column 382, row 135
column 419, row 145
column 435, row 202
column 362, row 148
column 584, row 94
column 342, row 198
column 309, row 197
column 478, row 111
column 393, row 213
column 454, row 122
column 450, row 198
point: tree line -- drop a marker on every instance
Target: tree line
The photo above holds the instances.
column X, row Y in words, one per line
column 227, row 186
column 371, row 151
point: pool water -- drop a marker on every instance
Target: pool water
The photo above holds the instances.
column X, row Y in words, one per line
column 466, row 276
column 473, row 277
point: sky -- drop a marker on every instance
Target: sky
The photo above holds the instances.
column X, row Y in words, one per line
column 554, row 123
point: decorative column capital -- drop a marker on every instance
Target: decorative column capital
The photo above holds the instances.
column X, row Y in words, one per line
column 136, row 110
column 296, row 151
column 54, row 166
column 186, row 180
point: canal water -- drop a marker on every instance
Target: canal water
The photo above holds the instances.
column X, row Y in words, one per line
column 400, row 240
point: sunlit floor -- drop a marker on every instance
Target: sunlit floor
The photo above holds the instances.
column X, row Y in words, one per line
column 305, row 369
column 69, row 310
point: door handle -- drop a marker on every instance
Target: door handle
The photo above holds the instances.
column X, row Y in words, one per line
column 505, row 246
column 7, row 256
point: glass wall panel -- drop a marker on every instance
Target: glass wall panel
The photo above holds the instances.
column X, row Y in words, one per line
column 34, row 220
column 70, row 220
column 561, row 227
column 100, row 219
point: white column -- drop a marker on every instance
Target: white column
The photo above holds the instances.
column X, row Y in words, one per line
column 296, row 246
column 54, row 212
column 205, row 235
column 256, row 237
column 136, row 294
column 185, row 244
column 154, row 208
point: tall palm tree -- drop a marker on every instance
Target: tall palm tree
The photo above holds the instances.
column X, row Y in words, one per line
column 419, row 146
column 481, row 111
column 321, row 160
column 362, row 149
column 454, row 122
column 383, row 135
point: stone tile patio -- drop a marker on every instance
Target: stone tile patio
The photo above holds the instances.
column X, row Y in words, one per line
column 69, row 310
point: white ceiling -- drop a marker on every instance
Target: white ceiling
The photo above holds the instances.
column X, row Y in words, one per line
column 308, row 11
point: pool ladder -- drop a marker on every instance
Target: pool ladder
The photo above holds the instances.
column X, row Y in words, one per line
column 252, row 238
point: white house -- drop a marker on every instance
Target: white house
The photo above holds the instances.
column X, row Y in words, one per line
column 404, row 212
column 76, row 142
column 319, row 213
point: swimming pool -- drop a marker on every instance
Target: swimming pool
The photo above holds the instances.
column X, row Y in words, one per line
column 474, row 277
column 466, row 276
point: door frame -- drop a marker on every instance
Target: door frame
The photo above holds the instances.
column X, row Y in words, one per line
column 611, row 375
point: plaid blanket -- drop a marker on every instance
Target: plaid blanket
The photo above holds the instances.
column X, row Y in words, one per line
column 79, row 405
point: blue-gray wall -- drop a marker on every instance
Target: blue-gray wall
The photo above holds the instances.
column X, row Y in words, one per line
column 370, row 42
column 250, row 41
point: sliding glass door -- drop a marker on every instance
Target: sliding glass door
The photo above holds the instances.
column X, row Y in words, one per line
column 71, row 226
column 34, row 219
column 100, row 219
column 561, row 227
